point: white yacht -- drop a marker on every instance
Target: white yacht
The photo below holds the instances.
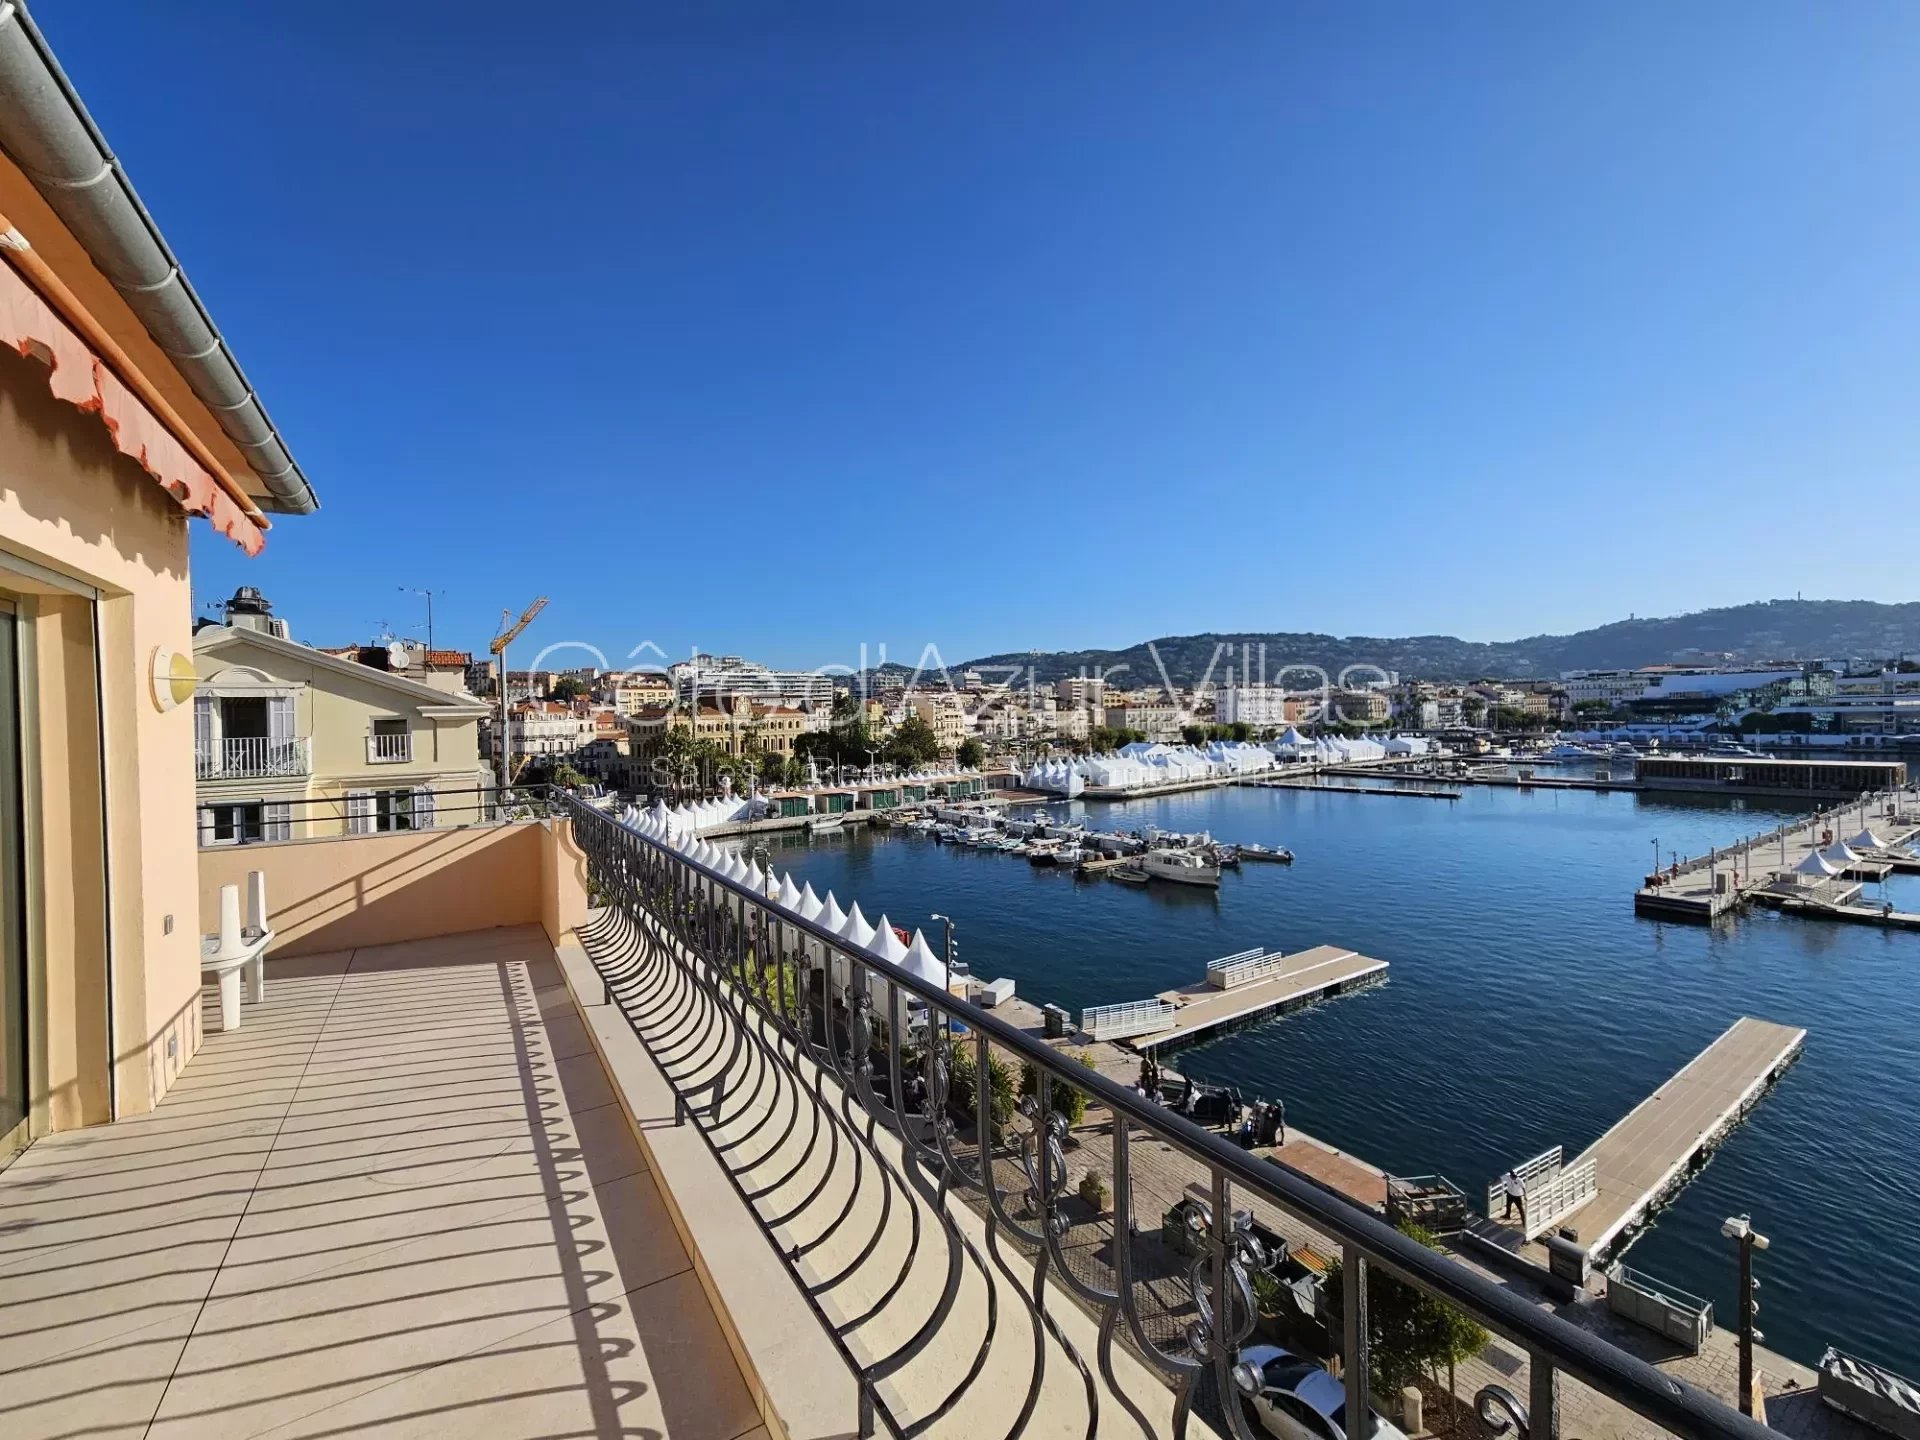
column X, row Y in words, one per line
column 1184, row 867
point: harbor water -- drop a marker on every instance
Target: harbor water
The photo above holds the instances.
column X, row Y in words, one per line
column 1527, row 1006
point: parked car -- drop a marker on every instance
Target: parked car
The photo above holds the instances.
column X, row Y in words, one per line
column 1299, row 1400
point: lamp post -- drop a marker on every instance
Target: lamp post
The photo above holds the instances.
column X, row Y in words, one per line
column 947, row 921
column 1740, row 1230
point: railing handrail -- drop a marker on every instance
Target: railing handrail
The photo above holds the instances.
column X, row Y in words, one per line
column 244, row 757
column 1667, row 1402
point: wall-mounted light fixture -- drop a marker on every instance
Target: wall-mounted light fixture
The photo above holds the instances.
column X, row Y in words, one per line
column 173, row 678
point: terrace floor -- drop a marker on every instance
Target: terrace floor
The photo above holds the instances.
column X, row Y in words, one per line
column 402, row 1199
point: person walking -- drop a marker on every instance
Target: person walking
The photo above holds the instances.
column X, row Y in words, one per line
column 1516, row 1197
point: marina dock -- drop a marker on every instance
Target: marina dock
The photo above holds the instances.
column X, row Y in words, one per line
column 1784, row 864
column 1405, row 791
column 1609, row 1189
column 1291, row 980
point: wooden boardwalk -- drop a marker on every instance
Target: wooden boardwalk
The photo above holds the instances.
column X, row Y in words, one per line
column 1323, row 970
column 1648, row 1153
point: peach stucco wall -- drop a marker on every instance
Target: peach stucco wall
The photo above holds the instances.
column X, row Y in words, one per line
column 70, row 503
column 344, row 892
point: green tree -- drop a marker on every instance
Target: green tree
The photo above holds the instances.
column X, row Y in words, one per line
column 962, row 1081
column 1410, row 1333
column 1066, row 1100
column 567, row 688
column 565, row 774
column 912, row 743
column 971, row 754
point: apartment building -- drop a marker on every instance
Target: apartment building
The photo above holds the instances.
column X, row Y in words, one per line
column 1081, row 692
column 1156, row 719
column 737, row 727
column 291, row 742
column 549, row 730
column 630, row 694
column 725, row 677
column 945, row 714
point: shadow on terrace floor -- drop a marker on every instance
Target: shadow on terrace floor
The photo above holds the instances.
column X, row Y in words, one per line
column 400, row 1200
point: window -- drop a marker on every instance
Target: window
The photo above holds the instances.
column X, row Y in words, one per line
column 388, row 740
column 245, row 822
column 371, row 812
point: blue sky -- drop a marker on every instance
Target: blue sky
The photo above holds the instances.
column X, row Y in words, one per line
column 781, row 328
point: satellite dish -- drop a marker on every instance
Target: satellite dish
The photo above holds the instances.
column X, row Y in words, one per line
column 398, row 657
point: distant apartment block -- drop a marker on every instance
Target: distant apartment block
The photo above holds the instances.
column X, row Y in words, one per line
column 722, row 677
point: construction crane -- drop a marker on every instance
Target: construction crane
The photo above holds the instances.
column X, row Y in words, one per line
column 498, row 648
column 509, row 634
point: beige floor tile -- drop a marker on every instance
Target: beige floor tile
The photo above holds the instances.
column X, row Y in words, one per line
column 339, row 1332
column 29, row 1243
column 600, row 1139
column 652, row 1362
column 583, row 1083
column 104, row 1391
column 48, row 1308
column 406, row 1176
column 566, row 1035
column 632, row 1232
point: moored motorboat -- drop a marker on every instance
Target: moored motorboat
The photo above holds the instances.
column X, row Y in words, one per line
column 1276, row 855
column 1183, row 867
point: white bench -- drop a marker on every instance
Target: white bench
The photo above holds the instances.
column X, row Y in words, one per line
column 238, row 947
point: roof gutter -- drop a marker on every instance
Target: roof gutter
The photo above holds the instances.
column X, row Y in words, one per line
column 47, row 131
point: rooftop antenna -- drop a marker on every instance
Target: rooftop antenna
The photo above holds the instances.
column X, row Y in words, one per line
column 428, row 595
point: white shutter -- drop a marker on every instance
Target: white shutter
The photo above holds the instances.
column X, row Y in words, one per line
column 203, row 733
column 206, row 826
column 423, row 808
column 280, row 719
column 276, row 821
column 359, row 812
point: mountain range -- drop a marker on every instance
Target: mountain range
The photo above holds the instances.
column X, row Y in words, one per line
column 1766, row 630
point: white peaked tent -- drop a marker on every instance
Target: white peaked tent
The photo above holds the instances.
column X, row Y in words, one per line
column 1815, row 867
column 923, row 962
column 857, row 931
column 886, row 944
column 756, row 878
column 1867, row 840
column 1839, row 856
column 832, row 917
column 808, row 906
column 789, row 892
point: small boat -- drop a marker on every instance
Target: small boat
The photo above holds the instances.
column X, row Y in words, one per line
column 1183, row 867
column 1278, row 855
column 1227, row 857
column 1044, row 852
column 821, row 824
column 1129, row 874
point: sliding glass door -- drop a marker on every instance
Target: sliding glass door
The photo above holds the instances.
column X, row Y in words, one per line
column 13, row 919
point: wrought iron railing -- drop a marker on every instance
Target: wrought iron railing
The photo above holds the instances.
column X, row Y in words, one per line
column 386, row 747
column 251, row 758
column 829, row 1084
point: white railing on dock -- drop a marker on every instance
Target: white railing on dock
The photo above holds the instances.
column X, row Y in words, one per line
column 1554, row 1191
column 1133, row 1017
column 1249, row 965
